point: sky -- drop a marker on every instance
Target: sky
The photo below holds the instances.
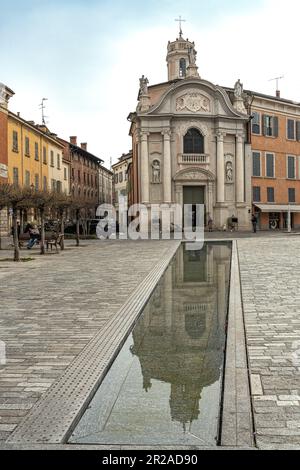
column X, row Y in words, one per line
column 86, row 56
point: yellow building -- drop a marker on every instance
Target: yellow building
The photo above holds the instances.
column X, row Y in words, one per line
column 30, row 149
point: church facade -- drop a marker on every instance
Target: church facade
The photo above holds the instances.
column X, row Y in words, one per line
column 190, row 142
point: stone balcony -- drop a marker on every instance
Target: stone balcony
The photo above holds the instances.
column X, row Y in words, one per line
column 193, row 159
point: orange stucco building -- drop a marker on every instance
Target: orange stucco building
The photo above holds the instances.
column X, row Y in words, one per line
column 275, row 143
column 5, row 94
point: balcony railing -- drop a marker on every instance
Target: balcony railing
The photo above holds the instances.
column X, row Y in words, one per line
column 193, row 159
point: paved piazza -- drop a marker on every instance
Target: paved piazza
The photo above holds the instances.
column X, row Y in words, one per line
column 52, row 308
column 270, row 278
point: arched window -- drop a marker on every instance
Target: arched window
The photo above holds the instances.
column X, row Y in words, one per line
column 193, row 142
column 182, row 68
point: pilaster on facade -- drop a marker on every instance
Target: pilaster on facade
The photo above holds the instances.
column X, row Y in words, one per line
column 240, row 169
column 145, row 187
column 220, row 168
column 167, row 167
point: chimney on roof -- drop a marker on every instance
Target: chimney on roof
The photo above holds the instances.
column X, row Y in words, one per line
column 73, row 140
column 277, row 93
column 83, row 146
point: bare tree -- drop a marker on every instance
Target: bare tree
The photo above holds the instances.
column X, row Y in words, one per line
column 80, row 206
column 18, row 198
column 5, row 191
column 77, row 204
column 43, row 200
column 62, row 202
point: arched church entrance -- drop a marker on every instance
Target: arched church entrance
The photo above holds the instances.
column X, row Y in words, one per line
column 195, row 186
column 194, row 195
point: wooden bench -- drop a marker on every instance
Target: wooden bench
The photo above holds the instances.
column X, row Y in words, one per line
column 53, row 239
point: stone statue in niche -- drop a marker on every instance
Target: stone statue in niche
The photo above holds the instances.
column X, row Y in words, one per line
column 144, row 85
column 156, row 172
column 229, row 172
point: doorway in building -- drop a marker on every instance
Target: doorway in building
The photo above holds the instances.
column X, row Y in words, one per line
column 274, row 220
column 285, row 220
column 194, row 195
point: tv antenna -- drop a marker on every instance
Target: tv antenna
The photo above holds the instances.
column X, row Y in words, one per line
column 277, row 83
column 42, row 108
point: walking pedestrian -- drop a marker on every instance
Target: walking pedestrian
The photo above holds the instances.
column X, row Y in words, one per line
column 254, row 223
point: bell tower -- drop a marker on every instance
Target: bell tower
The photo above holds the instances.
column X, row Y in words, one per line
column 181, row 58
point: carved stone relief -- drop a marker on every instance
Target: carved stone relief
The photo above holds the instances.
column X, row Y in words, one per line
column 193, row 102
column 194, row 175
column 184, row 127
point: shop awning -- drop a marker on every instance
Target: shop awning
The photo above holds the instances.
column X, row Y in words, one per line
column 278, row 207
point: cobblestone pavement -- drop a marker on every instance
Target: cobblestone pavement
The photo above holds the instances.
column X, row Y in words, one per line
column 270, row 278
column 52, row 307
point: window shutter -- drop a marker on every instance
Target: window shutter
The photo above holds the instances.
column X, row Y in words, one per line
column 270, row 165
column 298, row 130
column 264, row 123
column 275, row 126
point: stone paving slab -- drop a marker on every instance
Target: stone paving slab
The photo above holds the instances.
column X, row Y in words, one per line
column 69, row 447
column 52, row 308
column 270, row 278
column 237, row 426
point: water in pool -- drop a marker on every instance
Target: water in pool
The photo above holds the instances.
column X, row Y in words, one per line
column 164, row 388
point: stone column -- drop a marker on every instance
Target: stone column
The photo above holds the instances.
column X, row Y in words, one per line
column 168, row 299
column 220, row 168
column 144, row 168
column 210, row 264
column 178, row 194
column 167, row 167
column 210, row 202
column 221, row 293
column 240, row 178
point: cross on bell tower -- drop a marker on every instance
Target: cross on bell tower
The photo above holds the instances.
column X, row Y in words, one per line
column 180, row 20
column 181, row 57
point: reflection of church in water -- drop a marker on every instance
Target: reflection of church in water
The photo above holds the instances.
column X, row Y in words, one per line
column 180, row 337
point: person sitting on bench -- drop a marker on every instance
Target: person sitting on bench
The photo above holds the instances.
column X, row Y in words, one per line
column 34, row 234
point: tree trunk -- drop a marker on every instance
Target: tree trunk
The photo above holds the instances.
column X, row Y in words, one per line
column 15, row 232
column 62, row 229
column 21, row 221
column 77, row 227
column 42, row 241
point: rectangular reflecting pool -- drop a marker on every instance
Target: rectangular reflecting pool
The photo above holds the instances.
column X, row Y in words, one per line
column 165, row 386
